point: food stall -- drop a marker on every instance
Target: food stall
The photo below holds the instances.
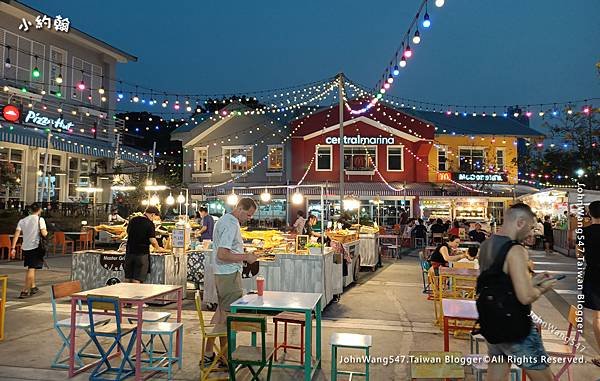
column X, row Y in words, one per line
column 471, row 209
column 436, row 208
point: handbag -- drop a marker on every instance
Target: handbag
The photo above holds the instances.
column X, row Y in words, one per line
column 43, row 244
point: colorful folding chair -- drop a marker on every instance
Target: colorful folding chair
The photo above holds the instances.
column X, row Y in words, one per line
column 62, row 290
column 116, row 331
column 210, row 331
column 245, row 355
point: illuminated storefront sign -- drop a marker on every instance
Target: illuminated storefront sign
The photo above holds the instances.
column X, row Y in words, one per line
column 11, row 113
column 444, row 176
column 360, row 140
column 480, row 177
column 43, row 121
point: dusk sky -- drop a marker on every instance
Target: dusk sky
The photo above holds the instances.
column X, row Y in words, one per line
column 476, row 52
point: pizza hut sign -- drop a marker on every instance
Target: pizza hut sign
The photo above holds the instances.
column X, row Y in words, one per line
column 480, row 177
column 44, row 121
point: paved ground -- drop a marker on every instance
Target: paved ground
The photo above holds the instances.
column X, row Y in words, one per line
column 387, row 304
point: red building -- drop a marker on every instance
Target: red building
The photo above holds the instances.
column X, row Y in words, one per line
column 384, row 139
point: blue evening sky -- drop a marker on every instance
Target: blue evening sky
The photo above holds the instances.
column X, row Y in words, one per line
column 476, row 52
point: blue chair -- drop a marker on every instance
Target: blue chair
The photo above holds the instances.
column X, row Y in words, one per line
column 116, row 331
column 165, row 360
column 152, row 317
column 62, row 327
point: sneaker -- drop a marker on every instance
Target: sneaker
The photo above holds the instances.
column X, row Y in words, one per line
column 208, row 360
column 25, row 294
column 34, row 290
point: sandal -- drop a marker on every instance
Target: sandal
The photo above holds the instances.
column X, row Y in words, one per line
column 25, row 294
column 34, row 290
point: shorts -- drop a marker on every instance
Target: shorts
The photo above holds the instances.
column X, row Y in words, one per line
column 34, row 259
column 528, row 353
column 229, row 289
column 549, row 239
column 136, row 266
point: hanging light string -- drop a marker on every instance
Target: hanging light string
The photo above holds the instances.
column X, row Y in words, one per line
column 531, row 109
column 401, row 56
column 312, row 160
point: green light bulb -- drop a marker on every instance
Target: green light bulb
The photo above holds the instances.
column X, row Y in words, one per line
column 58, row 94
column 23, row 90
column 35, row 73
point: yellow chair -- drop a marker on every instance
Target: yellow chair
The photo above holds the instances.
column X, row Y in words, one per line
column 211, row 331
column 4, row 281
column 434, row 365
column 463, row 265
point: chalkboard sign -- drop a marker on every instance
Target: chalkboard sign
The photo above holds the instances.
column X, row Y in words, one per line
column 112, row 262
column 178, row 238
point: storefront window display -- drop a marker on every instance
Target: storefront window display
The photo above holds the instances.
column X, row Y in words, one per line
column 52, row 181
column 471, row 209
column 436, row 208
column 11, row 162
column 272, row 214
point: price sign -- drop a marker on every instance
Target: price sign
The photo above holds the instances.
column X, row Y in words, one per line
column 178, row 238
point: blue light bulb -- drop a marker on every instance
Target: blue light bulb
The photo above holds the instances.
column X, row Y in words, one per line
column 554, row 113
column 396, row 70
column 426, row 21
column 505, row 114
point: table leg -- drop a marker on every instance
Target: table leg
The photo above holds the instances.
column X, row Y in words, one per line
column 446, row 335
column 179, row 307
column 318, row 333
column 308, row 341
column 138, row 341
column 233, row 310
column 72, row 338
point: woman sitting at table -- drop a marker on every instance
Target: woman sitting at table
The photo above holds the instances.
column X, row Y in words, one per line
column 441, row 256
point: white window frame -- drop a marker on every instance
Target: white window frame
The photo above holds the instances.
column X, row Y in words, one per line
column 330, row 147
column 92, row 77
column 269, row 148
column 445, row 150
column 52, row 85
column 362, row 147
column 244, row 147
column 503, row 150
column 471, row 148
column 387, row 150
column 28, row 59
column 21, row 176
column 196, row 159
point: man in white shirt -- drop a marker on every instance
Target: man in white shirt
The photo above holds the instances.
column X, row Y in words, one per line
column 115, row 218
column 228, row 251
column 30, row 227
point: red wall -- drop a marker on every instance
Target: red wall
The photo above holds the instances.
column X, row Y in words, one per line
column 414, row 171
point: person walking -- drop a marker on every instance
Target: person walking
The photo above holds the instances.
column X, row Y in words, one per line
column 591, row 280
column 140, row 235
column 228, row 251
column 548, row 236
column 208, row 224
column 33, row 228
column 502, row 257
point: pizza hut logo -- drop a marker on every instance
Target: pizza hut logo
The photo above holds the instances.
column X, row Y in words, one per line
column 11, row 113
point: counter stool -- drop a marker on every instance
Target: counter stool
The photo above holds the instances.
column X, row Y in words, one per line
column 349, row 340
column 290, row 318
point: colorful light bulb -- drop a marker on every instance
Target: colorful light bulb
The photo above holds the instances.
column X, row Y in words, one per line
column 35, row 73
column 426, row 21
column 58, row 79
column 416, row 38
column 135, row 99
column 439, row 3
column 390, row 79
column 396, row 70
column 407, row 51
column 403, row 62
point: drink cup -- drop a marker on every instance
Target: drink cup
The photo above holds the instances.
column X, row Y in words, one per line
column 260, row 285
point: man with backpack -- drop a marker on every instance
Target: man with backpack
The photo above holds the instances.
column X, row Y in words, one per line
column 505, row 294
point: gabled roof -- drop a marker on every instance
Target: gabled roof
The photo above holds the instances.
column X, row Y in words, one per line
column 18, row 9
column 473, row 125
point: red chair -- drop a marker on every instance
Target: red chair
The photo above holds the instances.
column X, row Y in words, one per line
column 81, row 243
column 59, row 238
column 6, row 243
column 289, row 318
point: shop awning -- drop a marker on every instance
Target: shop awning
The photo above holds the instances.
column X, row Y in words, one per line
column 12, row 133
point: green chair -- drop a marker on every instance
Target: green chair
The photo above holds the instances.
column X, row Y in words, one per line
column 349, row 340
column 245, row 355
column 164, row 361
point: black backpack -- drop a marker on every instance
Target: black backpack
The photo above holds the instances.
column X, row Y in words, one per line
column 502, row 318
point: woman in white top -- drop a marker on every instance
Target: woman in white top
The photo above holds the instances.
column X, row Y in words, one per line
column 298, row 226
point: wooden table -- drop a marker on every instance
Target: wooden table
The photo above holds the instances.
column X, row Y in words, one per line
column 290, row 301
column 135, row 293
column 457, row 309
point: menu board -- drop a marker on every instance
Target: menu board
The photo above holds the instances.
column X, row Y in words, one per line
column 178, row 238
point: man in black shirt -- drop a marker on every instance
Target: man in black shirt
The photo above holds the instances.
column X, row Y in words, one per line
column 477, row 235
column 140, row 235
column 438, row 227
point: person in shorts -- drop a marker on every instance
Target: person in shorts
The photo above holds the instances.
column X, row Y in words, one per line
column 519, row 223
column 228, row 251
column 30, row 228
column 140, row 235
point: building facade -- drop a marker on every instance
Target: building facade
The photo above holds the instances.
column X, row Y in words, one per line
column 58, row 95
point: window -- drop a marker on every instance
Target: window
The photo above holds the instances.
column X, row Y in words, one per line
column 500, row 159
column 395, row 160
column 471, row 159
column 275, row 158
column 51, row 183
column 359, row 158
column 442, row 159
column 58, row 64
column 237, row 159
column 92, row 78
column 324, row 158
column 22, row 58
column 11, row 168
column 201, row 159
